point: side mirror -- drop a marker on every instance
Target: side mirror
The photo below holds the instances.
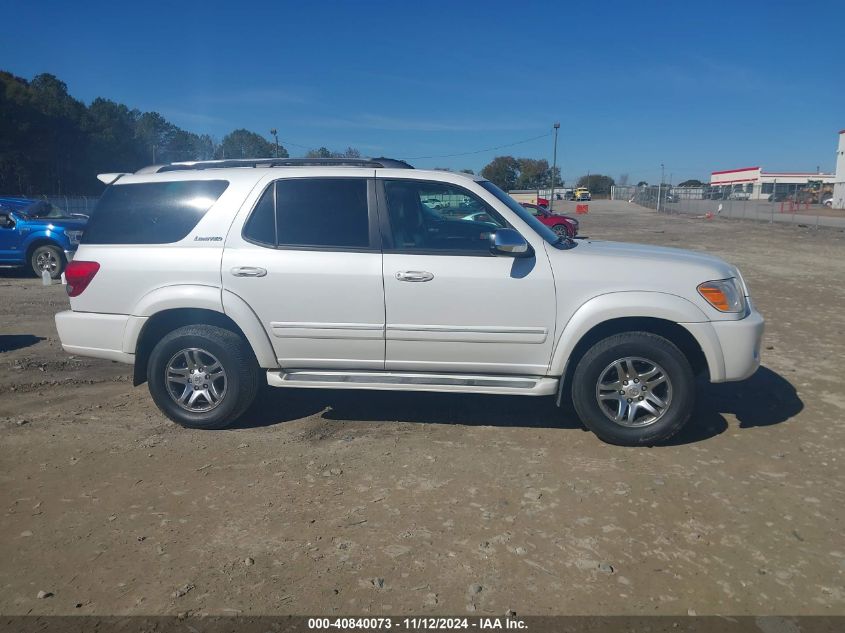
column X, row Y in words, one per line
column 6, row 221
column 509, row 243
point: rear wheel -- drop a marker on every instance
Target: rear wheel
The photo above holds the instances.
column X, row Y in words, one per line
column 634, row 388
column 202, row 376
column 49, row 258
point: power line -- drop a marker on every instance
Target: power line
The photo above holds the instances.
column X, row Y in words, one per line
column 480, row 151
column 284, row 142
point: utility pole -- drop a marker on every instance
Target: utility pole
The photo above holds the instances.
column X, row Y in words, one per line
column 275, row 136
column 554, row 170
column 660, row 188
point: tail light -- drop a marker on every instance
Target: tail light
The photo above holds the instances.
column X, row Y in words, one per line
column 78, row 275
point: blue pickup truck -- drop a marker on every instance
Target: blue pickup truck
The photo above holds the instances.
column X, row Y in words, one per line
column 38, row 235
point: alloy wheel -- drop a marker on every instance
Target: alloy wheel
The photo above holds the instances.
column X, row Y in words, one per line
column 634, row 391
column 195, row 380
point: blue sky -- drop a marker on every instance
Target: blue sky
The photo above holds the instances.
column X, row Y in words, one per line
column 695, row 86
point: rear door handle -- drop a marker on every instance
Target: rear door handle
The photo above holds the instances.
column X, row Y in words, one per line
column 414, row 275
column 248, row 271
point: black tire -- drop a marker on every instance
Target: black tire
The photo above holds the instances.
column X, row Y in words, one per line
column 50, row 257
column 562, row 229
column 641, row 345
column 242, row 376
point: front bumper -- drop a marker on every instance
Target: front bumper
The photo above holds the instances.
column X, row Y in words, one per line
column 69, row 255
column 740, row 342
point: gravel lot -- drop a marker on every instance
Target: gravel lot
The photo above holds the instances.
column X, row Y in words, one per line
column 387, row 503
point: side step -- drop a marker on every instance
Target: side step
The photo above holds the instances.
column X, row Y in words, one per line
column 405, row 381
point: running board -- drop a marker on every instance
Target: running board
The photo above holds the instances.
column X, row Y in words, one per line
column 405, row 381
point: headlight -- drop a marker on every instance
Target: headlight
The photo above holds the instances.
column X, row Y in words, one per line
column 724, row 294
column 73, row 236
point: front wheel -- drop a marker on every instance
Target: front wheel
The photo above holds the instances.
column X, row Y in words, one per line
column 561, row 230
column 202, row 376
column 49, row 258
column 633, row 389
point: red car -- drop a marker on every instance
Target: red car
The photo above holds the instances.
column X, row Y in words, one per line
column 560, row 224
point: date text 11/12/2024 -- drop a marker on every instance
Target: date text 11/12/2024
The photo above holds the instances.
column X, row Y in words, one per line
column 415, row 624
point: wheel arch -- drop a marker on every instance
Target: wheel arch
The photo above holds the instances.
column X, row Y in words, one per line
column 160, row 323
column 673, row 332
column 669, row 316
column 41, row 240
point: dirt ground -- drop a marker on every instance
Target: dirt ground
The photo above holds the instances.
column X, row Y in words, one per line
column 387, row 503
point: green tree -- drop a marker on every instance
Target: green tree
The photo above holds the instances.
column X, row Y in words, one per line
column 180, row 146
column 55, row 134
column 206, row 147
column 245, row 144
column 154, row 134
column 533, row 173
column 691, row 183
column 520, row 173
column 502, row 171
column 598, row 184
column 642, row 183
column 324, row 152
column 112, row 145
column 51, row 143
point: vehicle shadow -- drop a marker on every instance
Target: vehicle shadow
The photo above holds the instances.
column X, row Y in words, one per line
column 16, row 272
column 282, row 405
column 11, row 342
column 764, row 399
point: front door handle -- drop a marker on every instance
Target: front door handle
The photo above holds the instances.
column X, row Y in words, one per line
column 414, row 275
column 249, row 271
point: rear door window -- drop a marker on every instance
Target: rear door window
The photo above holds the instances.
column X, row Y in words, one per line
column 312, row 213
column 151, row 213
column 322, row 212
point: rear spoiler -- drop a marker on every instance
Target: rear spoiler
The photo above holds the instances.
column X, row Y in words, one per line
column 110, row 179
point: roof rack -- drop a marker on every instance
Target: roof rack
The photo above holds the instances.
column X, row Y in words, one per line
column 280, row 162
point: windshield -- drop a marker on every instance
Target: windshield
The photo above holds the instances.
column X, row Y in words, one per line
column 525, row 215
column 43, row 210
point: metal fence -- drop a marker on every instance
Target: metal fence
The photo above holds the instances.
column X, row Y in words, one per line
column 69, row 204
column 793, row 204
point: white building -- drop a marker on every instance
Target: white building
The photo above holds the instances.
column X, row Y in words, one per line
column 754, row 183
column 839, row 184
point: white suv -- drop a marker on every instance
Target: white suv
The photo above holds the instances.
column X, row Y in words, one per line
column 215, row 277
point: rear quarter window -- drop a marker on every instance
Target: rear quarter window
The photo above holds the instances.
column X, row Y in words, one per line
column 152, row 212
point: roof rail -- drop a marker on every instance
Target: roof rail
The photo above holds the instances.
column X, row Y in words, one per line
column 279, row 162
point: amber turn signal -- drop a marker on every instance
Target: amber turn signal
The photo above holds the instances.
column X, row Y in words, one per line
column 724, row 295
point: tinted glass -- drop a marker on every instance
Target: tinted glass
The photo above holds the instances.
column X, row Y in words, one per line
column 438, row 216
column 327, row 212
column 151, row 213
column 261, row 225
